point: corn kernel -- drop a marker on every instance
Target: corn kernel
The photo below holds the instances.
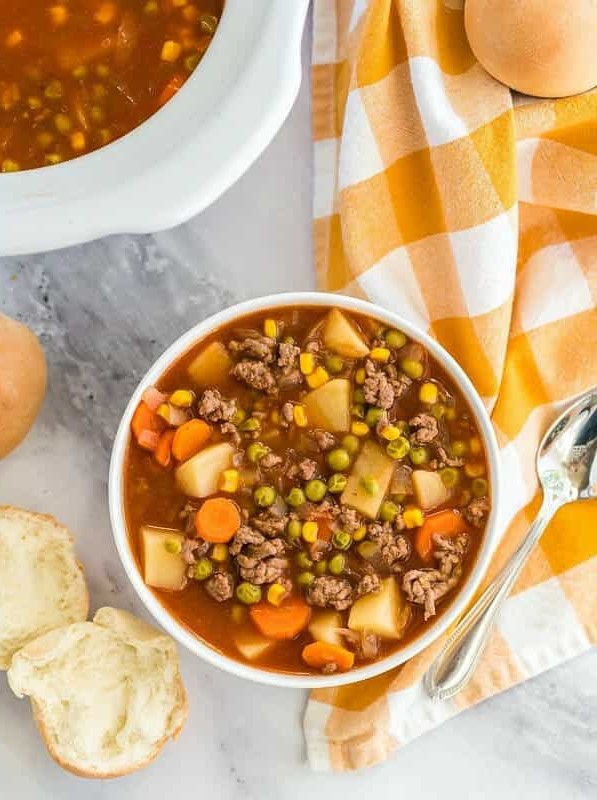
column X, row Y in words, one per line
column 105, row 13
column 182, row 398
column 475, row 469
column 300, row 416
column 270, row 328
column 310, row 531
column 9, row 165
column 381, row 354
column 360, row 376
column 451, row 414
column 275, row 594
column 318, row 377
column 219, row 552
column 102, row 70
column 13, row 39
column 151, row 7
column 190, row 13
column 475, row 446
column 53, row 158
column 34, row 103
column 44, row 139
column 359, row 534
column 58, row 14
column 413, row 517
column 77, row 141
column 163, row 411
column 229, row 480
column 171, row 50
column 179, row 3
column 105, row 135
column 390, row 433
column 428, row 393
column 307, row 363
column 275, row 416
column 79, row 72
column 62, row 123
column 359, row 428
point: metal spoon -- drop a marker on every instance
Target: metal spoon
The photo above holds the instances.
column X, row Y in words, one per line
column 567, row 469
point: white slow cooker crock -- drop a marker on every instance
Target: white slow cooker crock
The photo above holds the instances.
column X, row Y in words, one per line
column 181, row 159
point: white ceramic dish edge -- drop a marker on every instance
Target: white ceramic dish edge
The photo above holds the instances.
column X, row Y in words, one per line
column 205, row 138
column 115, row 490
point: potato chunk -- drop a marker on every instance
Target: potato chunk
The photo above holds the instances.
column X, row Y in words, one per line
column 385, row 613
column 200, row 475
column 328, row 406
column 252, row 645
column 163, row 564
column 211, row 366
column 341, row 336
column 324, row 627
column 429, row 489
column 369, row 480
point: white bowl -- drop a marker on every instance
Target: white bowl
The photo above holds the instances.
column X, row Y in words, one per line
column 194, row 643
column 184, row 156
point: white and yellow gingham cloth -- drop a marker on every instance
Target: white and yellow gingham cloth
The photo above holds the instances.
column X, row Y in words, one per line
column 474, row 217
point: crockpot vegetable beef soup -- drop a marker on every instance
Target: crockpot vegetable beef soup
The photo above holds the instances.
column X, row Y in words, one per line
column 76, row 74
column 305, row 489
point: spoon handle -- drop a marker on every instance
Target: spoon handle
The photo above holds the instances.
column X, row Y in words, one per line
column 456, row 662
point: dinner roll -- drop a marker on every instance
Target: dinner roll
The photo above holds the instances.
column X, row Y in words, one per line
column 23, row 376
column 106, row 695
column 42, row 585
column 539, row 47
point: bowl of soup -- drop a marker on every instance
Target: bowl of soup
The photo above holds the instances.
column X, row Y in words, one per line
column 303, row 490
column 133, row 115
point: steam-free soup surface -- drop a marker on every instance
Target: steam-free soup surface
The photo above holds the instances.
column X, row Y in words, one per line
column 76, row 74
column 305, row 490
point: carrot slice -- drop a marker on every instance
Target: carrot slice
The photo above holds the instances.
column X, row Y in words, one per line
column 190, row 438
column 217, row 520
column 170, row 89
column 163, row 451
column 445, row 523
column 281, row 622
column 144, row 419
column 321, row 654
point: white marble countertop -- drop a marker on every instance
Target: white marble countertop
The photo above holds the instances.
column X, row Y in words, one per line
column 104, row 311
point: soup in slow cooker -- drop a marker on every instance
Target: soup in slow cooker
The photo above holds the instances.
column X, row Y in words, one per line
column 76, row 74
column 305, row 489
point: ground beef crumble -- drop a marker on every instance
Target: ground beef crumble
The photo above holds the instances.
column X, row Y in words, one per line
column 476, row 511
column 256, row 375
column 220, row 586
column 215, row 408
column 328, row 592
column 425, row 587
column 424, row 429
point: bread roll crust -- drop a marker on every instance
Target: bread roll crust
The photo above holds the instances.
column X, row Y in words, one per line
column 544, row 48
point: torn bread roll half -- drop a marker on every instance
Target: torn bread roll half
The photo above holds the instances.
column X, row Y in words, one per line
column 42, row 585
column 106, row 695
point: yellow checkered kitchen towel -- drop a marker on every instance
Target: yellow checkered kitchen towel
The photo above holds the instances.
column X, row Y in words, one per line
column 474, row 216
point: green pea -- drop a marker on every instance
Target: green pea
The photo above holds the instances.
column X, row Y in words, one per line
column 338, row 459
column 293, row 530
column 351, row 444
column 337, row 564
column 303, row 561
column 369, row 484
column 305, row 578
column 296, row 497
column 479, row 487
column 389, row 511
column 458, row 448
column 412, row 368
column 373, row 416
column 419, row 455
column 438, row 410
column 334, row 364
column 321, row 567
column 368, row 550
column 264, row 496
column 248, row 593
column 256, row 451
column 399, row 498
column 358, row 396
column 250, row 425
column 395, row 339
column 341, row 540
column 173, row 545
column 240, row 415
column 398, row 448
column 358, row 410
column 202, row 569
column 450, row 477
column 337, row 483
column 315, row 490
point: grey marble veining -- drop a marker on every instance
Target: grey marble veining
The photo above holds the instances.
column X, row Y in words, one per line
column 104, row 312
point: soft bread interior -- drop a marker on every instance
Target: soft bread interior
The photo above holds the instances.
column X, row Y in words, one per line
column 42, row 585
column 107, row 694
